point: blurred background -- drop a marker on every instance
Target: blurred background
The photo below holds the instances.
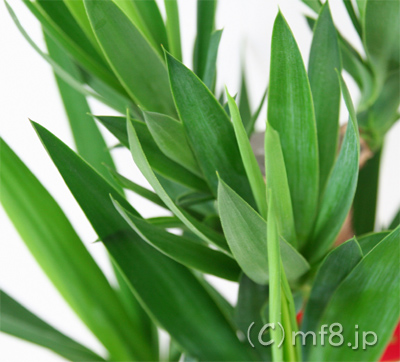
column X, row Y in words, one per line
column 28, row 90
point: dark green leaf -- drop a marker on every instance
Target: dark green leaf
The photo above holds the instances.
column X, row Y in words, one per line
column 205, row 26
column 209, row 130
column 20, row 322
column 245, row 231
column 139, row 68
column 291, row 114
column 210, row 71
column 184, row 251
column 369, row 241
column 161, row 163
column 61, row 254
column 170, row 136
column 340, row 189
column 324, row 59
column 193, row 198
column 395, row 222
column 366, row 197
column 375, row 281
column 333, row 270
column 353, row 16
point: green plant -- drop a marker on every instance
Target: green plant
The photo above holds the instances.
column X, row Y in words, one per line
column 274, row 234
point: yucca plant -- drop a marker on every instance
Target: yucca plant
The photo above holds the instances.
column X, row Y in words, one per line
column 294, row 227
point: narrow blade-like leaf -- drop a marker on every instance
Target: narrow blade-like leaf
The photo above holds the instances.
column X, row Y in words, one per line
column 173, row 28
column 210, row 71
column 143, row 266
column 340, row 189
column 291, row 114
column 135, row 62
column 251, row 166
column 20, row 322
column 324, row 59
column 209, row 131
column 59, row 251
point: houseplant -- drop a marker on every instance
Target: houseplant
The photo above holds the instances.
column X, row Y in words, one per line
column 191, row 142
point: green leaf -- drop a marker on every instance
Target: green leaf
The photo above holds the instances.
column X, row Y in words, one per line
column 20, row 322
column 382, row 36
column 80, row 54
column 161, row 163
column 291, row 114
column 257, row 112
column 206, row 335
column 353, row 16
column 253, row 171
column 210, row 71
column 59, row 251
column 140, row 190
column 340, row 189
column 375, row 281
column 170, row 136
column 184, row 251
column 333, row 270
column 205, row 26
column 277, row 182
column 369, row 241
column 324, row 59
column 366, row 197
column 150, row 13
column 313, row 4
column 173, row 28
column 244, row 105
column 202, row 231
column 251, row 299
column 245, row 231
column 275, row 287
column 88, row 139
column 209, row 130
column 136, row 64
column 396, row 221
column 193, row 198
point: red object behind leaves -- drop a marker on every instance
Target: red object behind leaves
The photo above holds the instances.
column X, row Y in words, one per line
column 392, row 352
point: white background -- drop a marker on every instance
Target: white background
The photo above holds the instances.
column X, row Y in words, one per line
column 28, row 90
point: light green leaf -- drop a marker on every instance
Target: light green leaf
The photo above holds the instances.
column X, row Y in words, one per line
column 340, row 189
column 136, row 64
column 313, row 4
column 205, row 26
column 375, row 281
column 245, row 231
column 275, row 287
column 210, row 71
column 395, row 221
column 333, row 270
column 88, row 139
column 324, row 59
column 184, row 251
column 139, row 156
column 244, row 104
column 161, row 163
column 140, row 190
column 291, row 114
column 170, row 136
column 277, row 182
column 209, row 131
column 59, row 251
column 20, row 322
column 173, row 28
column 251, row 166
column 353, row 16
column 200, row 334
